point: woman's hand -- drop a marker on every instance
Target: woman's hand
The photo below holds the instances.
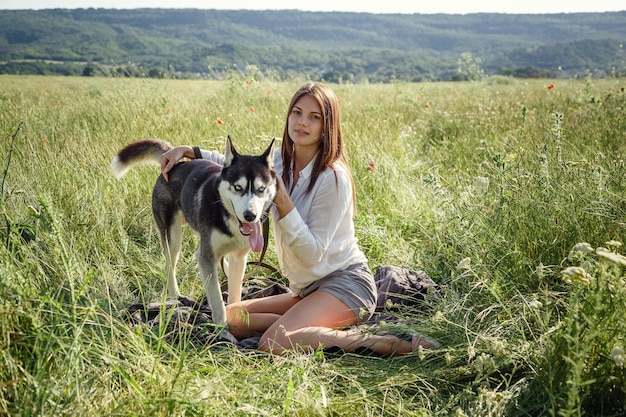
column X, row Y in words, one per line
column 171, row 158
column 282, row 201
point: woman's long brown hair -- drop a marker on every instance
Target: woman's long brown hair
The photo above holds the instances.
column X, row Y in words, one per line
column 331, row 147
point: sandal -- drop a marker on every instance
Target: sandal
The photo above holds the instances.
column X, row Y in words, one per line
column 425, row 342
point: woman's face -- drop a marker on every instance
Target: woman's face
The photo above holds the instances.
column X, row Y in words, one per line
column 305, row 122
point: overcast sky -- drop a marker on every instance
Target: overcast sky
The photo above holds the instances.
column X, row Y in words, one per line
column 384, row 6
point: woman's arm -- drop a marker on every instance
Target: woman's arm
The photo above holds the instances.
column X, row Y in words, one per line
column 170, row 158
column 282, row 201
column 308, row 237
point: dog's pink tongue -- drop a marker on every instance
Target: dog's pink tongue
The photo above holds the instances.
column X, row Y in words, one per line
column 256, row 236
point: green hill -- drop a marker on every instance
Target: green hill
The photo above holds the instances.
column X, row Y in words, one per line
column 334, row 46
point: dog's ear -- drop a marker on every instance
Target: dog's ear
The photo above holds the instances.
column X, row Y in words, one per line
column 230, row 153
column 269, row 154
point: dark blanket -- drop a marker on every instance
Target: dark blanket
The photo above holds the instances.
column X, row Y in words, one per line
column 191, row 320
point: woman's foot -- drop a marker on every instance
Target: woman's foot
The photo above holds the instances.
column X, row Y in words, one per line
column 424, row 342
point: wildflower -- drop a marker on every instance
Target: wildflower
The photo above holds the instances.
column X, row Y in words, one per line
column 499, row 349
column 44, row 140
column 371, row 166
column 251, row 108
column 611, row 256
column 618, row 356
column 219, row 121
column 268, row 92
column 169, row 110
column 613, row 244
column 575, row 275
column 539, row 271
column 471, row 352
column 439, row 317
column 427, row 106
column 535, row 304
column 582, row 247
column 531, row 112
column 483, row 363
column 43, row 92
column 550, row 87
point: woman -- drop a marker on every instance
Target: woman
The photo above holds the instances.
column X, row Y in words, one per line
column 331, row 286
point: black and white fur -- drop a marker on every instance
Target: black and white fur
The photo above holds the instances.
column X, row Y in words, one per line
column 224, row 205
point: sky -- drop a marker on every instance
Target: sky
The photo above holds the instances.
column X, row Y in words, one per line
column 384, row 6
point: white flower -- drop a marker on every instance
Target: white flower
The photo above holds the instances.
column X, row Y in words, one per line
column 613, row 243
column 582, row 247
column 499, row 348
column 575, row 275
column 611, row 256
column 617, row 354
column 439, row 317
column 483, row 363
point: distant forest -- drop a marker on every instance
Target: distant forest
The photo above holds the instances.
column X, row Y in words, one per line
column 331, row 46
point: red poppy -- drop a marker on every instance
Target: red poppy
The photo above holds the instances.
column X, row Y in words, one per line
column 551, row 86
column 371, row 166
column 251, row 108
column 219, row 121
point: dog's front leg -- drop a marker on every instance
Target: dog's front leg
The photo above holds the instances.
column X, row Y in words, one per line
column 235, row 272
column 210, row 281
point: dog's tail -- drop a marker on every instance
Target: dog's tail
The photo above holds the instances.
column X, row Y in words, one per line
column 144, row 151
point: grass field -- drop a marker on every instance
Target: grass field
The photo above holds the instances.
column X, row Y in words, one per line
column 490, row 187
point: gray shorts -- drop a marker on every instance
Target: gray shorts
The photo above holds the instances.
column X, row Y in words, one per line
column 354, row 286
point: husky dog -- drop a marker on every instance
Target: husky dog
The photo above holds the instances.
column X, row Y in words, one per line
column 224, row 205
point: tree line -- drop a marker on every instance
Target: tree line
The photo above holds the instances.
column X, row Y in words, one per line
column 336, row 47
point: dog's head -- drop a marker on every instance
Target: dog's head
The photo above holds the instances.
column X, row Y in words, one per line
column 248, row 188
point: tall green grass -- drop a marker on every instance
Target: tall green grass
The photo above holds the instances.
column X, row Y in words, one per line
column 486, row 186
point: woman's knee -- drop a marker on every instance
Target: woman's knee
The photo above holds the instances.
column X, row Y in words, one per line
column 275, row 340
column 238, row 319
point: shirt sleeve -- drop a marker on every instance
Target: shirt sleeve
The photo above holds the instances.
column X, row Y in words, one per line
column 331, row 204
column 213, row 156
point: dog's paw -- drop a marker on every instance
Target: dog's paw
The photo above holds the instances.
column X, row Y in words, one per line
column 227, row 336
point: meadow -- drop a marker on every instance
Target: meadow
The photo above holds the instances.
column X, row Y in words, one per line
column 509, row 193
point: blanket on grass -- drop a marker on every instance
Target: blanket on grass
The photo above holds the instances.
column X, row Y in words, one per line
column 187, row 319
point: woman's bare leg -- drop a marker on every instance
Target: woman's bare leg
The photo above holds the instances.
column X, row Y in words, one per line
column 315, row 320
column 249, row 317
